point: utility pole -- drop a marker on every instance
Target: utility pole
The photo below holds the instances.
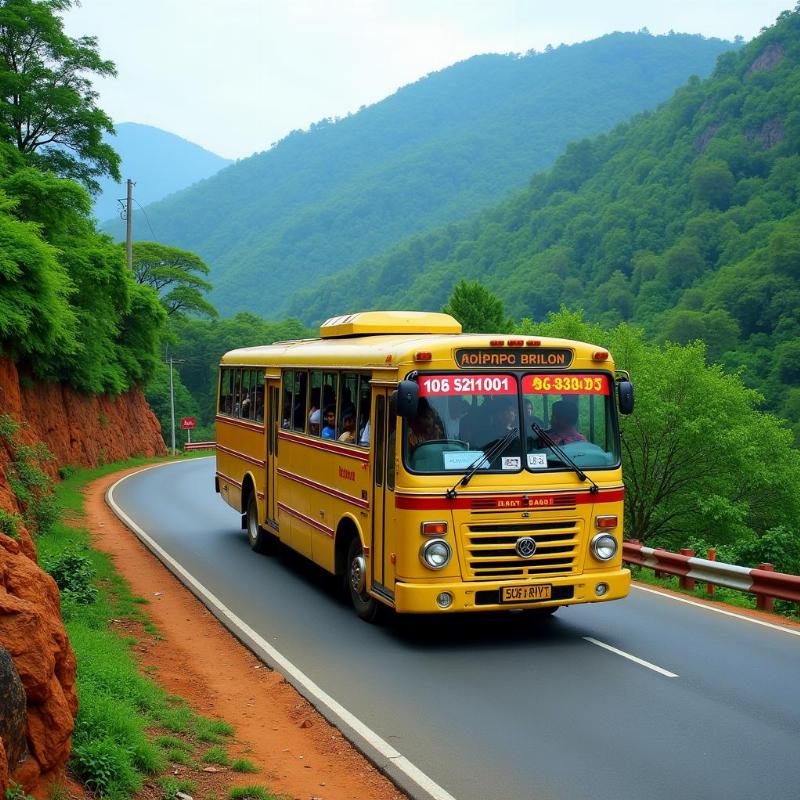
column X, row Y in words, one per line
column 171, row 400
column 129, row 239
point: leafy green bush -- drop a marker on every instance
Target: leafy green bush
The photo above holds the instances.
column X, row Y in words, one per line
column 9, row 524
column 73, row 573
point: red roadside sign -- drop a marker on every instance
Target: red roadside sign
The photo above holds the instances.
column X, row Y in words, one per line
column 188, row 423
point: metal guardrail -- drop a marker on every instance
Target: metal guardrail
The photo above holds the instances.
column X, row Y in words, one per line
column 199, row 446
column 762, row 580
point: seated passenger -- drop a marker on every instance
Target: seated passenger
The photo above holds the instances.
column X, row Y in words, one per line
column 313, row 422
column 349, row 426
column 363, row 439
column 563, row 419
column 425, row 426
column 329, row 423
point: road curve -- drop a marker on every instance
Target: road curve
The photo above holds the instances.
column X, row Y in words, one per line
column 645, row 697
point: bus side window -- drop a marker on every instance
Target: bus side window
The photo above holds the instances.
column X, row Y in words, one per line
column 315, row 403
column 348, row 419
column 363, row 409
column 329, row 384
column 225, row 391
column 299, row 401
column 379, row 420
column 286, row 404
column 244, row 400
column 391, row 441
column 259, row 390
column 237, row 391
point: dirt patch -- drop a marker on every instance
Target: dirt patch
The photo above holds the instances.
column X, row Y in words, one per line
column 298, row 753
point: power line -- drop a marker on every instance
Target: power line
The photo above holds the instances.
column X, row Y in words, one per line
column 147, row 219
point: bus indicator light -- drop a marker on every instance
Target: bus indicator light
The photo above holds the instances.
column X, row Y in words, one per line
column 423, row 356
column 434, row 528
column 515, row 342
column 600, row 355
column 534, row 343
column 496, row 343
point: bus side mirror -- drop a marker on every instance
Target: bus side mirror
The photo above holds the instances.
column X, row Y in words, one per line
column 625, row 397
column 407, row 399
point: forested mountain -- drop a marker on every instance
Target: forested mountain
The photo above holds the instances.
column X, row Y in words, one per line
column 438, row 150
column 686, row 220
column 159, row 162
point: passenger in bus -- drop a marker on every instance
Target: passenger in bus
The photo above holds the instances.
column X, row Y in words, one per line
column 563, row 421
column 425, row 426
column 530, row 418
column 329, row 423
column 457, row 407
column 313, row 422
column 349, row 426
column 363, row 438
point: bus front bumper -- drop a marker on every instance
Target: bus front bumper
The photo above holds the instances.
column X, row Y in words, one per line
column 421, row 598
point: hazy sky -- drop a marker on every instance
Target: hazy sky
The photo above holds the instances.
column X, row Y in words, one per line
column 237, row 75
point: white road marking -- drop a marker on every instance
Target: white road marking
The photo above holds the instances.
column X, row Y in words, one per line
column 716, row 610
column 636, row 660
column 309, row 689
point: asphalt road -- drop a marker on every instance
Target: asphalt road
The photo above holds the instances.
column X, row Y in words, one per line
column 495, row 706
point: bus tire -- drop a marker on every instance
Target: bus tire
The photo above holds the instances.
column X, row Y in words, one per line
column 259, row 540
column 366, row 607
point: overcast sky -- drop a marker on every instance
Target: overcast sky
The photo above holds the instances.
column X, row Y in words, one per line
column 237, row 75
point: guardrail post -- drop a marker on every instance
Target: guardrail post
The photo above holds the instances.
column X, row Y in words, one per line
column 765, row 602
column 712, row 556
column 657, row 572
column 684, row 581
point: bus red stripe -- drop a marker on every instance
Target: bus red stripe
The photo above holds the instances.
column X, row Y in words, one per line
column 312, row 522
column 427, row 503
column 348, row 498
column 323, row 444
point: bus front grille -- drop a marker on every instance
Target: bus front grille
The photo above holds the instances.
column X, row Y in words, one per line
column 491, row 549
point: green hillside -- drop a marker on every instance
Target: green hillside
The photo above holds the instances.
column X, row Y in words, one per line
column 450, row 144
column 685, row 220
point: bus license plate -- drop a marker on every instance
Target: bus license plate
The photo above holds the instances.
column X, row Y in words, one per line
column 524, row 594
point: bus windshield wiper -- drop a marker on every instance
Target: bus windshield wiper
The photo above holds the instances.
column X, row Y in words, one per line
column 498, row 447
column 550, row 442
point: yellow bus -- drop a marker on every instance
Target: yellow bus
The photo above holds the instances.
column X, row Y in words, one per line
column 432, row 471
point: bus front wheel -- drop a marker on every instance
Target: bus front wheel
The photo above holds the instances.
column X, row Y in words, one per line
column 367, row 608
column 258, row 538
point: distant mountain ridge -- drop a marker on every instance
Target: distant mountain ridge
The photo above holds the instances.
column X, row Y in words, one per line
column 434, row 152
column 159, row 162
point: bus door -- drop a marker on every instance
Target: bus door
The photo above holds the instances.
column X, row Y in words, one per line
column 384, row 532
column 273, row 427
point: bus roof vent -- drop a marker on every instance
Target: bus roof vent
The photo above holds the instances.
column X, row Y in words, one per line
column 370, row 323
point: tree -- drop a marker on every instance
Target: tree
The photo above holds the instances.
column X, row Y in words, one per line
column 47, row 103
column 476, row 308
column 172, row 273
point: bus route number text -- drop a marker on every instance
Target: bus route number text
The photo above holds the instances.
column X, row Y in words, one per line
column 565, row 384
column 433, row 385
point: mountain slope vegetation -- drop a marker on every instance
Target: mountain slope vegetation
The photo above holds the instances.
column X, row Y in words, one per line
column 685, row 220
column 159, row 162
column 438, row 150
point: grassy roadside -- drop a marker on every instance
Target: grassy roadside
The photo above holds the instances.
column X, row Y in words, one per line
column 721, row 595
column 130, row 734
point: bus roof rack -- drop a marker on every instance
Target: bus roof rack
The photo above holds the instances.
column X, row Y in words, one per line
column 372, row 323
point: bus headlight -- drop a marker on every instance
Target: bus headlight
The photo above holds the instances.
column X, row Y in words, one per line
column 604, row 546
column 435, row 554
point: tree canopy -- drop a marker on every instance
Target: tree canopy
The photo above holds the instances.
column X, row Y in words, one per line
column 48, row 107
column 175, row 276
column 476, row 308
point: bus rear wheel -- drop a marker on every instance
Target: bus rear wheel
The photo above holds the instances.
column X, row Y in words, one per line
column 367, row 608
column 260, row 541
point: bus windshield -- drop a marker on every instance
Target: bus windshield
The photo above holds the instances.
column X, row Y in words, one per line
column 460, row 417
